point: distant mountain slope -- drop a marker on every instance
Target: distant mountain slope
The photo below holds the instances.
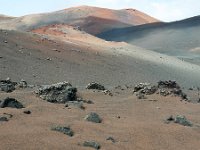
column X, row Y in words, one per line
column 48, row 58
column 93, row 20
column 174, row 38
column 4, row 17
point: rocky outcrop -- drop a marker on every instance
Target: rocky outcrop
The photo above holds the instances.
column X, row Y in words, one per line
column 164, row 88
column 57, row 93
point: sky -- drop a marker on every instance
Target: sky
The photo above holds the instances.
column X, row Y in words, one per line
column 165, row 10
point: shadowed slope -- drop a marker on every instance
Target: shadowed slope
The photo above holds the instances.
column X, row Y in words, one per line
column 176, row 38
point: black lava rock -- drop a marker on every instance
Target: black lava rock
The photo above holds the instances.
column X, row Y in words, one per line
column 11, row 102
column 65, row 130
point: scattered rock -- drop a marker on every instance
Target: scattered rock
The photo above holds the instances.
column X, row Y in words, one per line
column 7, row 85
column 22, row 84
column 111, row 139
column 65, row 130
column 107, row 92
column 141, row 96
column 168, row 84
column 140, row 86
column 88, row 101
column 170, row 118
column 182, row 120
column 164, row 88
column 93, row 117
column 27, row 112
column 95, row 86
column 78, row 104
column 56, row 50
column 48, row 59
column 9, row 115
column 3, row 119
column 92, row 144
column 84, row 101
column 143, row 89
column 11, row 102
column 57, row 93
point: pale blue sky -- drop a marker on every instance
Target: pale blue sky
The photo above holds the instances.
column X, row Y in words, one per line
column 166, row 10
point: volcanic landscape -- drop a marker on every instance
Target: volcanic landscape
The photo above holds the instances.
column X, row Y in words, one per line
column 95, row 78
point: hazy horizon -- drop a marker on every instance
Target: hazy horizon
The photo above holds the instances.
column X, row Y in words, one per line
column 170, row 10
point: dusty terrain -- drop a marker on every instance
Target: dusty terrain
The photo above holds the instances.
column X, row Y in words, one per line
column 134, row 124
column 53, row 51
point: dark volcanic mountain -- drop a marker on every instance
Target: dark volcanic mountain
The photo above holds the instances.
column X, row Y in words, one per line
column 179, row 38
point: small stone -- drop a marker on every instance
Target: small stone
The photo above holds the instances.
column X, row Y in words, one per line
column 9, row 115
column 88, row 101
column 111, row 139
column 107, row 92
column 48, row 59
column 141, row 96
column 65, row 130
column 92, row 144
column 170, row 118
column 27, row 112
column 22, row 84
column 78, row 104
column 182, row 120
column 191, row 89
column 3, row 119
column 93, row 117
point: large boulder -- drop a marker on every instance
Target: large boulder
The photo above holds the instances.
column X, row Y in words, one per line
column 57, row 93
column 11, row 102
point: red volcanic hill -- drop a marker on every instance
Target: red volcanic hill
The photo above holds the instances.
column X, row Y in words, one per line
column 93, row 20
